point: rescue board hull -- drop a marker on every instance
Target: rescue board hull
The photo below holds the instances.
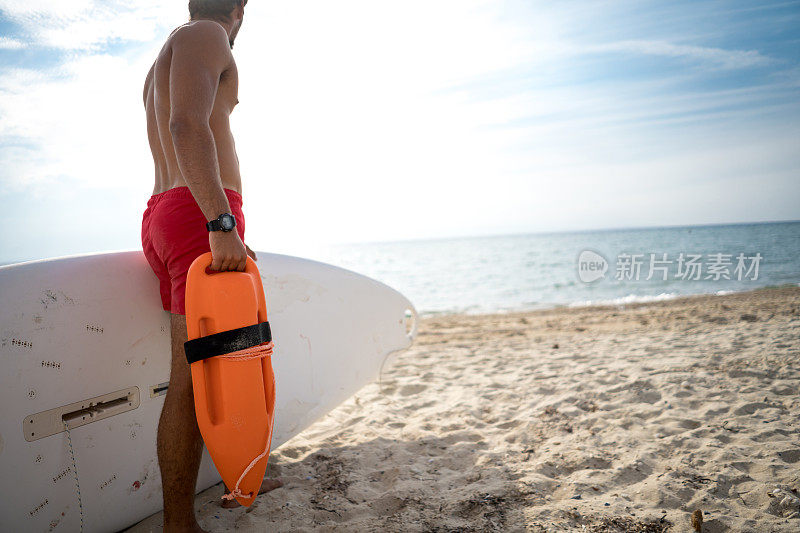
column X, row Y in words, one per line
column 84, row 339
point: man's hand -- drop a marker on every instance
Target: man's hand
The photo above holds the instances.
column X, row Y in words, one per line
column 251, row 253
column 227, row 251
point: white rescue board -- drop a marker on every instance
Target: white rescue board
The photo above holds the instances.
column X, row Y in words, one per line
column 84, row 340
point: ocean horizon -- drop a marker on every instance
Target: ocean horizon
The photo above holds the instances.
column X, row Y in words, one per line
column 530, row 271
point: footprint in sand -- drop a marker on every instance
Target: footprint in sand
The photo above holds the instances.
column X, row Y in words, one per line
column 750, row 408
column 790, row 456
column 410, row 390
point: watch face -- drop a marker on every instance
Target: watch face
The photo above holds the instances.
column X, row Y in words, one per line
column 227, row 222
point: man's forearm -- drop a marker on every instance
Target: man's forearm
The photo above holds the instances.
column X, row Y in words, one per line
column 197, row 159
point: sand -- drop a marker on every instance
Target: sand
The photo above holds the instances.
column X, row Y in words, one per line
column 576, row 419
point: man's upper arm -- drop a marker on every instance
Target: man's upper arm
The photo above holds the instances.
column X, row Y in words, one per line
column 200, row 53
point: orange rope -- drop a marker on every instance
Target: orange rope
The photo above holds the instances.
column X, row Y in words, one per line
column 255, row 352
column 260, row 351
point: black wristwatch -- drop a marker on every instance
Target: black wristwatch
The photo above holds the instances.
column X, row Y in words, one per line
column 225, row 222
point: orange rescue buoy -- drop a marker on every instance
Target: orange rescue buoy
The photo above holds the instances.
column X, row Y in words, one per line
column 230, row 356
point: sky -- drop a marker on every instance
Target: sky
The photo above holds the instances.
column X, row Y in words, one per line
column 362, row 120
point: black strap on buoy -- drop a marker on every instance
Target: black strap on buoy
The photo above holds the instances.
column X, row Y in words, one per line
column 226, row 342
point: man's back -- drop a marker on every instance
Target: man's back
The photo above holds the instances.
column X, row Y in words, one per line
column 196, row 50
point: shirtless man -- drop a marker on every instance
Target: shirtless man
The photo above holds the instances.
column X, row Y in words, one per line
column 189, row 94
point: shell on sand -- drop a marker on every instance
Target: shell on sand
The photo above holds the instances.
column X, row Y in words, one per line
column 697, row 520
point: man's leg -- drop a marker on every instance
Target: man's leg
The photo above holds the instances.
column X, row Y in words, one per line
column 180, row 445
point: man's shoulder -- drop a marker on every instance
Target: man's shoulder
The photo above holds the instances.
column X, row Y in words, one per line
column 200, row 32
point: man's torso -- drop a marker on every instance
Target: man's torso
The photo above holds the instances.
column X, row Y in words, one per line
column 157, row 108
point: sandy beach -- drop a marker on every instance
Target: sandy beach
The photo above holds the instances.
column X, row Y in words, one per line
column 624, row 419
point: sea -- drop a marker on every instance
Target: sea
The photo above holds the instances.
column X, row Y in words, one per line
column 504, row 273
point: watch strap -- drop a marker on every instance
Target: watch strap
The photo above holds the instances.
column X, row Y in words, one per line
column 216, row 224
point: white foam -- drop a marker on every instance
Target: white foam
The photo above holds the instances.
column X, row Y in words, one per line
column 629, row 299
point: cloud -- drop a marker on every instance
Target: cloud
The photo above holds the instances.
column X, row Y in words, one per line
column 79, row 117
column 81, row 121
column 718, row 57
column 6, row 43
column 43, row 8
column 89, row 24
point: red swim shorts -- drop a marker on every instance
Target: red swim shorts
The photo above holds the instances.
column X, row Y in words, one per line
column 174, row 234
